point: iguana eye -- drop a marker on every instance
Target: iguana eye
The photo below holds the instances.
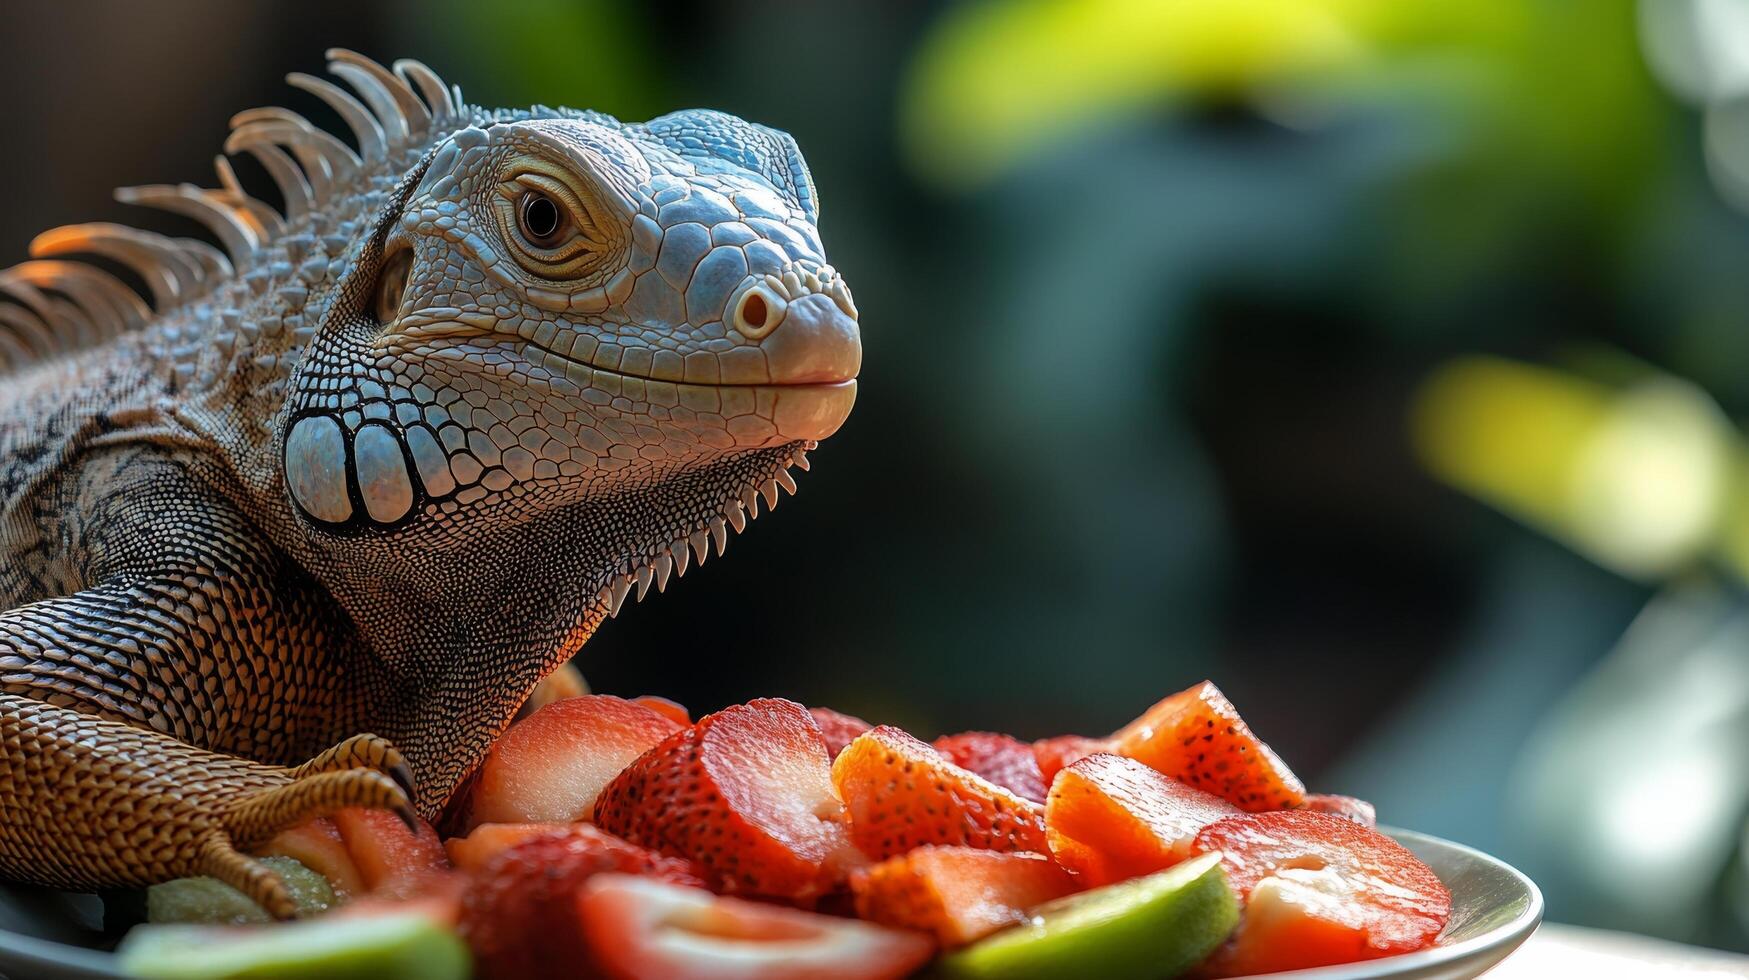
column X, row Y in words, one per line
column 541, row 219
column 392, row 286
column 555, row 223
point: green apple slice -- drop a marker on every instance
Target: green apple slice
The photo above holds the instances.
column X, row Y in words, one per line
column 1152, row 927
column 381, row 947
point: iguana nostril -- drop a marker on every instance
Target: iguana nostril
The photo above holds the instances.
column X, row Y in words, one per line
column 758, row 312
column 753, row 311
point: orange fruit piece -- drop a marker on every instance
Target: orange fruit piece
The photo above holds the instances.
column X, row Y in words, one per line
column 1110, row 818
column 901, row 794
column 1197, row 737
column 959, row 894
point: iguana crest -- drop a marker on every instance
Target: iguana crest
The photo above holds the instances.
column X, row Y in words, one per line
column 58, row 306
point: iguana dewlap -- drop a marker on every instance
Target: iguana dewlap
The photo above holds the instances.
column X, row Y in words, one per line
column 382, row 461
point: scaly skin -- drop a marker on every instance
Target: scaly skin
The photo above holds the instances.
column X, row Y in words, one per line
column 383, row 463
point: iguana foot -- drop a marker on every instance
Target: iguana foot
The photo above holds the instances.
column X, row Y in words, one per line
column 363, row 752
column 95, row 803
column 362, row 771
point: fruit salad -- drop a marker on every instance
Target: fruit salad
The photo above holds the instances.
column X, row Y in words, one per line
column 607, row 837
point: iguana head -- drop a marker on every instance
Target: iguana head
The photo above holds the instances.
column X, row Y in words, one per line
column 554, row 312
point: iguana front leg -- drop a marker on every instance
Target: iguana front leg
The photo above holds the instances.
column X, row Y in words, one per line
column 86, row 802
column 145, row 720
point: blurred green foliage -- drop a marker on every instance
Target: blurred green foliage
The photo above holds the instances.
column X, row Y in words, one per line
column 587, row 53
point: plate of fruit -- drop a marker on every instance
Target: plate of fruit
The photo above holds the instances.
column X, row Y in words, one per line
column 621, row 838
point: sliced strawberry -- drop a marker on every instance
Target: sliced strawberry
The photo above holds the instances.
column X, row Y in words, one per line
column 1111, row 818
column 638, row 929
column 392, row 860
column 958, row 893
column 672, row 710
column 486, row 841
column 1346, row 807
column 1319, row 890
column 901, row 794
column 838, row 728
column 1196, row 736
column 518, row 914
column 745, row 792
column 317, row 845
column 549, row 767
column 1003, row 760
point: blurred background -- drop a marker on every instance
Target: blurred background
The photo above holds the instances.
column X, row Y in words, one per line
column 1381, row 361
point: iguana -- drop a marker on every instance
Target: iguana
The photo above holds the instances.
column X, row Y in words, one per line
column 304, row 531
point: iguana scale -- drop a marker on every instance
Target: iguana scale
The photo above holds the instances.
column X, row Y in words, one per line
column 305, row 530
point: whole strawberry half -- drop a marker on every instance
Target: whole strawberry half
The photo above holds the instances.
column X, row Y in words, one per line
column 517, row 912
column 745, row 792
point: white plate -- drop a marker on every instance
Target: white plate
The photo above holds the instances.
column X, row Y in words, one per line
column 49, row 935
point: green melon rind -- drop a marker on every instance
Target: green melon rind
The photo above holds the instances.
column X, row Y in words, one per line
column 1152, row 927
column 384, row 947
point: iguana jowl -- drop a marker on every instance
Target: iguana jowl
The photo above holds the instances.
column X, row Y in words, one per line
column 383, row 461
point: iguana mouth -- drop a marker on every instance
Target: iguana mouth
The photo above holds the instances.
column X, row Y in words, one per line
column 811, row 405
column 763, row 413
